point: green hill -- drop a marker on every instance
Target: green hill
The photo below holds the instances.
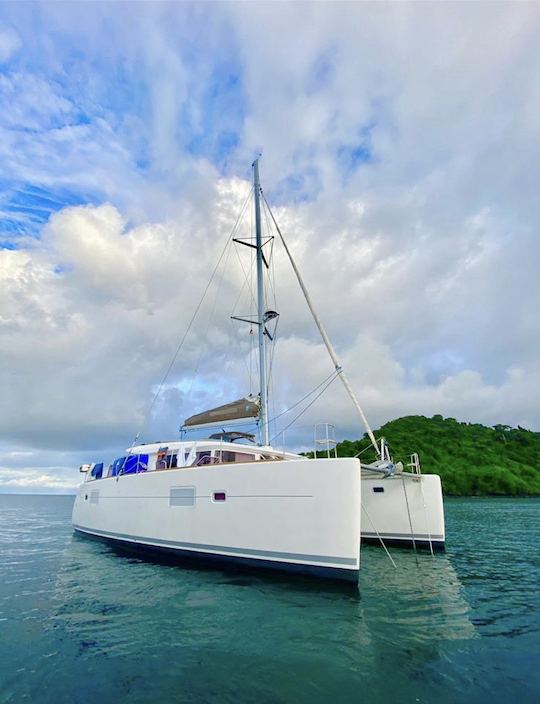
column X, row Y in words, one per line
column 472, row 459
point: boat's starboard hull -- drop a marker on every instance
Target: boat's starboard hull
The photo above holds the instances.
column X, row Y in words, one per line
column 406, row 511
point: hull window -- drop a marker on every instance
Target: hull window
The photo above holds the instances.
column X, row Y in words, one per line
column 378, row 489
column 182, row 496
column 219, row 496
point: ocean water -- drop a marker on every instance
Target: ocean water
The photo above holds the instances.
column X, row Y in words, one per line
column 82, row 623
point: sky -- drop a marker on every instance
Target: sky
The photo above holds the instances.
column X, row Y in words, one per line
column 400, row 154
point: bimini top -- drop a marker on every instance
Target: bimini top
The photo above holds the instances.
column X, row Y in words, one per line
column 240, row 410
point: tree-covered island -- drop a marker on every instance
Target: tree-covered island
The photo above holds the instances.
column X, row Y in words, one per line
column 472, row 459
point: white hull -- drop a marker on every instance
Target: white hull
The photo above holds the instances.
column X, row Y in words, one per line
column 409, row 511
column 299, row 516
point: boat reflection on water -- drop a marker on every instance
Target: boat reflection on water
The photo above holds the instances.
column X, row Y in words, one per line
column 295, row 634
column 421, row 597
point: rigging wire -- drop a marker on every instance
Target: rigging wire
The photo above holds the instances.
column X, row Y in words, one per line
column 234, row 335
column 369, row 447
column 251, row 301
column 333, row 378
column 324, row 336
column 209, row 320
column 274, row 306
column 248, row 280
column 304, row 397
column 192, row 320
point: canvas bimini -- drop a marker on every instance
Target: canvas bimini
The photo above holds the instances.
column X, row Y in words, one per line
column 226, row 499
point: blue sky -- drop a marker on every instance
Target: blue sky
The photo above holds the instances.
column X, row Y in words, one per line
column 400, row 150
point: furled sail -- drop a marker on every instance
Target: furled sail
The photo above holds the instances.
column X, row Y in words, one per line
column 240, row 410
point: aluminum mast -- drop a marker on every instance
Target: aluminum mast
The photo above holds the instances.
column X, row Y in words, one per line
column 263, row 414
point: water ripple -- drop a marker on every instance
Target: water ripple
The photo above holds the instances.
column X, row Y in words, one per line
column 80, row 622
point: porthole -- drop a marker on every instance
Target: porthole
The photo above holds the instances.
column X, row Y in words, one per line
column 219, row 496
column 378, row 489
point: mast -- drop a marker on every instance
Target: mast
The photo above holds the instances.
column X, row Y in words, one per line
column 263, row 414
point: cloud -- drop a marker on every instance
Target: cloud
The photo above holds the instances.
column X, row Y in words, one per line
column 400, row 153
column 10, row 43
column 29, row 480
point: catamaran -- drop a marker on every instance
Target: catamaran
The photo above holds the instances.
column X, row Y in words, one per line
column 234, row 498
column 225, row 499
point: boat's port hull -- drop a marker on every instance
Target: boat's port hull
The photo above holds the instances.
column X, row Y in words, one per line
column 297, row 516
column 405, row 511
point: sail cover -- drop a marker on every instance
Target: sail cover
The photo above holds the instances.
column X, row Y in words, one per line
column 242, row 409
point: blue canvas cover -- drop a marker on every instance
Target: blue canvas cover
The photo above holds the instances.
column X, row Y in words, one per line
column 135, row 463
column 130, row 466
column 97, row 470
column 117, row 466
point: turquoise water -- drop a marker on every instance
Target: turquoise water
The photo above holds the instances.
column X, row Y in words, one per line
column 81, row 623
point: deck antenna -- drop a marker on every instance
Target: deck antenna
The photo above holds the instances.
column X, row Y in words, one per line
column 326, row 339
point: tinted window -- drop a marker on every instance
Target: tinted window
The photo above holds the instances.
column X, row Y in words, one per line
column 244, row 457
column 171, row 461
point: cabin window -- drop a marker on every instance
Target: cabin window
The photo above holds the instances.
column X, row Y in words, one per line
column 378, row 489
column 202, row 458
column 171, row 461
column 244, row 457
column 161, row 459
column 229, row 456
column 167, row 461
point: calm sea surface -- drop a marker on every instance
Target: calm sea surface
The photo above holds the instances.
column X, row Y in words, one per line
column 81, row 623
